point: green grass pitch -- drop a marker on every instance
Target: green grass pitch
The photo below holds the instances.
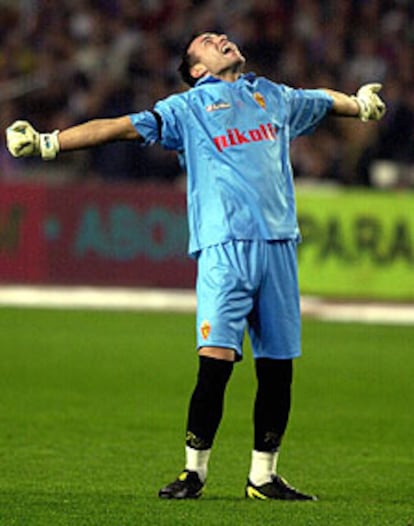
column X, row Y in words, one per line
column 93, row 408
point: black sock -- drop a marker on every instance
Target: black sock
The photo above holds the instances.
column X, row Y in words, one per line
column 206, row 405
column 272, row 404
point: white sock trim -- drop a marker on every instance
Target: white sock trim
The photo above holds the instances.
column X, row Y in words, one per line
column 263, row 466
column 197, row 460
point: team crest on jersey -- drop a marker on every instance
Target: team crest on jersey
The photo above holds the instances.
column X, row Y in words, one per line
column 218, row 106
column 258, row 97
column 205, row 329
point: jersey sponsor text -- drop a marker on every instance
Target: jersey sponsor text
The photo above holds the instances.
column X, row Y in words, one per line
column 236, row 137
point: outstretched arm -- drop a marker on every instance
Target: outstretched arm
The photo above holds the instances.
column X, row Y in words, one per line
column 344, row 105
column 366, row 104
column 23, row 140
column 95, row 132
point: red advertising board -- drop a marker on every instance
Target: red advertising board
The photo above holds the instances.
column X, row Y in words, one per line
column 123, row 235
column 22, row 252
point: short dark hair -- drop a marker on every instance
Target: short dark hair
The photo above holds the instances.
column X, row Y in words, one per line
column 187, row 62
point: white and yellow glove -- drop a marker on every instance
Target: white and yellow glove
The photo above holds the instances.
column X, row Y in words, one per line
column 24, row 141
column 371, row 106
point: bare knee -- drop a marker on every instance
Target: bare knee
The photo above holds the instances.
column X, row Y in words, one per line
column 218, row 353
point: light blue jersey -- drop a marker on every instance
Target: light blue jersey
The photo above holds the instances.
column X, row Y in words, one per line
column 234, row 140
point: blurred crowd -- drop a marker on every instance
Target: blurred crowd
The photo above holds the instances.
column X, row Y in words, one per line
column 65, row 62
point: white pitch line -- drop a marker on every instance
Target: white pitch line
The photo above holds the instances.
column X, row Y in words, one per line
column 180, row 300
column 98, row 298
column 369, row 312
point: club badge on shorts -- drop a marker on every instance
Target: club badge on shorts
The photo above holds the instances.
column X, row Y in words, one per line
column 205, row 329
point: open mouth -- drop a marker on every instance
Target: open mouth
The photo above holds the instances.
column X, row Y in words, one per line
column 226, row 49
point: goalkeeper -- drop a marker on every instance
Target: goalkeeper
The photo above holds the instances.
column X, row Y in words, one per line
column 232, row 131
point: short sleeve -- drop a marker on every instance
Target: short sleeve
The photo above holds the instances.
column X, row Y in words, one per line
column 171, row 112
column 307, row 109
column 146, row 125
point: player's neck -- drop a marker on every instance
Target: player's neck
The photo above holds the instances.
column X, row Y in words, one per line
column 229, row 75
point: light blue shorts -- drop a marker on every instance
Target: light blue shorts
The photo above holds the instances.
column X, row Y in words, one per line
column 253, row 285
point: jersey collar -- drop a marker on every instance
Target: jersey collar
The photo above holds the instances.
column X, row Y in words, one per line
column 209, row 79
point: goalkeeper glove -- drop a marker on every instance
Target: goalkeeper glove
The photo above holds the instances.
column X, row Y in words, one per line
column 24, row 141
column 371, row 107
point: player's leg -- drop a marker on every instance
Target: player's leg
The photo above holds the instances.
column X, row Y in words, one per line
column 204, row 416
column 275, row 331
column 271, row 414
column 221, row 314
column 206, row 410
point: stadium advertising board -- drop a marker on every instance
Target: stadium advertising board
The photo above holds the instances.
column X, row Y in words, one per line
column 119, row 235
column 357, row 244
column 112, row 235
column 22, row 255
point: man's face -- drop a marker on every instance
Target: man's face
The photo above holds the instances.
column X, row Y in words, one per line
column 214, row 54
